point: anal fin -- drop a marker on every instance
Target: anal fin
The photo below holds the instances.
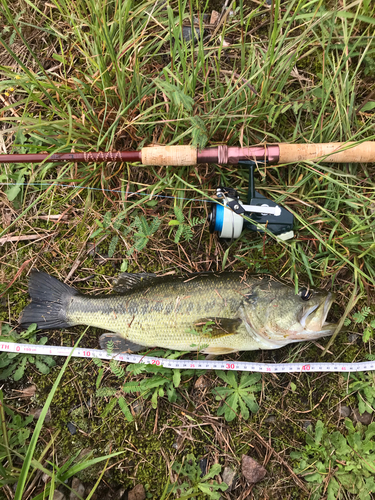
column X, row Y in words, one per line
column 118, row 344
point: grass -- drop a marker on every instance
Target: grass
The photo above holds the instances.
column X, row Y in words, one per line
column 95, row 75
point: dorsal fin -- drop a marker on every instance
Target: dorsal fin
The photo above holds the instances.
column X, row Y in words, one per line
column 131, row 281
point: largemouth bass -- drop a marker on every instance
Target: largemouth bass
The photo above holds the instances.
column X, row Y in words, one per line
column 215, row 313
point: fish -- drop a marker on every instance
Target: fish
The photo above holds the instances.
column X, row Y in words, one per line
column 213, row 313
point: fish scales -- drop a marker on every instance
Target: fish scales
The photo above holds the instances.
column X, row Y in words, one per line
column 216, row 313
column 164, row 314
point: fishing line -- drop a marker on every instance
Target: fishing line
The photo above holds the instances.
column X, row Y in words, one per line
column 191, row 364
column 150, row 195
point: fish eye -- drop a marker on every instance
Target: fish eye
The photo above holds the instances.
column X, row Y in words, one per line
column 305, row 294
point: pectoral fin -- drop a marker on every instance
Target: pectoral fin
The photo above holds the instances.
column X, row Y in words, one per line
column 213, row 328
column 118, row 344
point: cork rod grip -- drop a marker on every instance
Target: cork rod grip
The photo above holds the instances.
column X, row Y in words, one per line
column 169, row 155
column 338, row 152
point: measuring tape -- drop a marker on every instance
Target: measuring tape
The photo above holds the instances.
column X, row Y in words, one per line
column 245, row 366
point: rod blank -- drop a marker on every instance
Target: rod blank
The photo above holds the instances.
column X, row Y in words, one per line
column 333, row 152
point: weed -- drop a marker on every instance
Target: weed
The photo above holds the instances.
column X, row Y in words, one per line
column 364, row 385
column 14, row 436
column 333, row 463
column 143, row 231
column 238, row 392
column 14, row 363
column 365, row 318
column 196, row 483
column 163, row 382
column 184, row 226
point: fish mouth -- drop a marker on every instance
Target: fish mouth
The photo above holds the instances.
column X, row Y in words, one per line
column 314, row 319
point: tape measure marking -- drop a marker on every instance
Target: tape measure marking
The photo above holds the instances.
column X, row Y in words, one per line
column 81, row 352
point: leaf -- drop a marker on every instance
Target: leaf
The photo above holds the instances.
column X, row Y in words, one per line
column 221, row 392
column 249, row 379
column 173, row 223
column 319, row 429
column 108, row 409
column 154, row 400
column 131, row 387
column 96, row 233
column 332, row 489
column 125, row 409
column 107, row 219
column 105, row 392
column 176, row 378
column 172, row 394
column 32, row 328
column 230, row 406
column 367, row 334
column 48, row 360
column 214, row 471
column 112, row 246
column 14, row 191
column 22, row 435
column 176, row 95
column 179, row 214
column 244, row 409
column 318, row 92
column 368, row 106
column 151, row 383
column 7, row 373
column 4, row 361
column 117, row 223
column 250, row 402
column 116, row 368
column 223, row 376
column 178, row 234
column 314, row 478
column 99, row 377
column 18, row 374
column 42, row 367
column 137, row 368
column 152, row 203
column 361, row 406
column 199, row 133
column 340, row 444
column 206, row 488
column 232, row 379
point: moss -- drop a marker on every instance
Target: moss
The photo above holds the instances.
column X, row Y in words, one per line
column 142, row 457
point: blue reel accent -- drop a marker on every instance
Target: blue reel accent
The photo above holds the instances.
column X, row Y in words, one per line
column 219, row 220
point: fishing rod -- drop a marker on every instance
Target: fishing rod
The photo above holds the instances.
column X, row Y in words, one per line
column 332, row 152
column 231, row 216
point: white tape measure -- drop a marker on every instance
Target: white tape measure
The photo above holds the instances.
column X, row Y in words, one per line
column 246, row 366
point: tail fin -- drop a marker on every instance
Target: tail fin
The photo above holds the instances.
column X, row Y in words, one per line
column 49, row 302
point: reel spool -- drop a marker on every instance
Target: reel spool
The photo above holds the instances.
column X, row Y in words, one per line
column 228, row 220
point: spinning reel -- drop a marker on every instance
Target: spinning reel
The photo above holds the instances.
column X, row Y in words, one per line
column 229, row 218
